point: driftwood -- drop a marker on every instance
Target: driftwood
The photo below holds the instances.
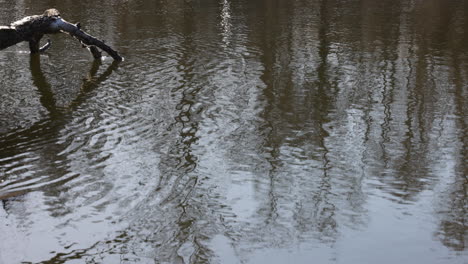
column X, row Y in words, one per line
column 33, row 28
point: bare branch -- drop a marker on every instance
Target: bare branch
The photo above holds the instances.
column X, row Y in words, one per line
column 46, row 46
column 33, row 28
column 75, row 31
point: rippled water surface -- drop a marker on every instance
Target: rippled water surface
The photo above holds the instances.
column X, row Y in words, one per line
column 250, row 131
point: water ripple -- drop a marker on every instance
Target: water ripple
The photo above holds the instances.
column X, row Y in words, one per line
column 242, row 131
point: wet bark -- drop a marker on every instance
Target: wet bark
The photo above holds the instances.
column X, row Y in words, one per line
column 33, row 28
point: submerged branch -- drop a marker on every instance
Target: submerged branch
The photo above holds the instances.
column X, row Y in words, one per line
column 75, row 31
column 33, row 28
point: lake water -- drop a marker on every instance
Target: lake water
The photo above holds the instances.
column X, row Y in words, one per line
column 250, row 131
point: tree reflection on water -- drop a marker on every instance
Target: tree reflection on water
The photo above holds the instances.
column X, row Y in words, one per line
column 241, row 131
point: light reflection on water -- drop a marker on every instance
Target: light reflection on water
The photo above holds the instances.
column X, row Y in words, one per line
column 239, row 132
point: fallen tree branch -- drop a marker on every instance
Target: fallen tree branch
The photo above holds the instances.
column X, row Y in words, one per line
column 33, row 28
column 75, row 31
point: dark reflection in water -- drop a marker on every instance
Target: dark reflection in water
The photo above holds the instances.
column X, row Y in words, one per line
column 320, row 131
column 37, row 137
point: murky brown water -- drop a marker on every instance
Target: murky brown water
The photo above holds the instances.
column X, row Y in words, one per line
column 242, row 131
